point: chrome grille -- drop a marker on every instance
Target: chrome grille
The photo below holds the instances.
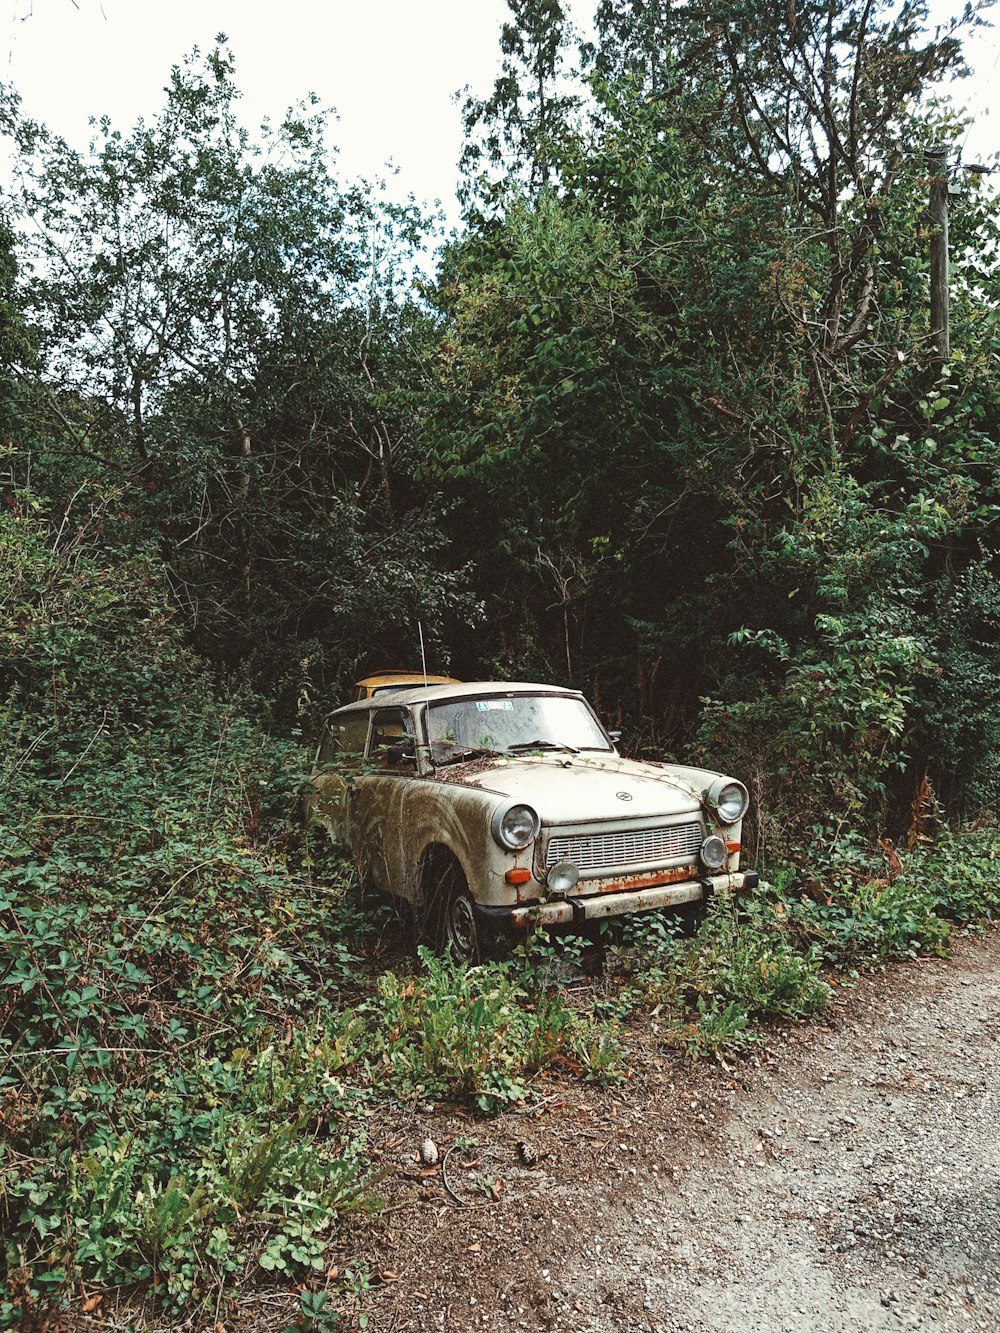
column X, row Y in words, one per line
column 607, row 851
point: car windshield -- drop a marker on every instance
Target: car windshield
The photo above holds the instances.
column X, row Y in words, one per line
column 511, row 724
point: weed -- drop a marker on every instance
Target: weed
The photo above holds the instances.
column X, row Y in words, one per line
column 474, row 1032
column 315, row 1314
column 597, row 1049
column 712, row 1029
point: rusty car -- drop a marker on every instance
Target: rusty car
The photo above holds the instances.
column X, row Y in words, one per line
column 491, row 808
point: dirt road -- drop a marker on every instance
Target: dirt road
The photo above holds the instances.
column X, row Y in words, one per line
column 847, row 1181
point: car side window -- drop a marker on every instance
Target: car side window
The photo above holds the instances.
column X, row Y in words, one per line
column 391, row 745
column 344, row 739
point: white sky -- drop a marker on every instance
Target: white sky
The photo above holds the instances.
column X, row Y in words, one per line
column 388, row 67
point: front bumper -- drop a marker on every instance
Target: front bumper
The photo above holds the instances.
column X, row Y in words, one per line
column 578, row 909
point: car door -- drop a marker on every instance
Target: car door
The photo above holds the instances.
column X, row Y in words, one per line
column 339, row 764
column 378, row 824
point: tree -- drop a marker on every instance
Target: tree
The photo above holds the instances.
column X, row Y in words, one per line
column 519, row 129
column 727, row 365
column 222, row 330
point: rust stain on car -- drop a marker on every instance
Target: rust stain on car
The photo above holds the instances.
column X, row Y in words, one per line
column 645, row 881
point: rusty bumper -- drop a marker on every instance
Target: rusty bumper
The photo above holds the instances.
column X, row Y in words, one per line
column 578, row 909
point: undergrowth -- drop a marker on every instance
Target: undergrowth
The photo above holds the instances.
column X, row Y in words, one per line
column 194, row 1022
column 777, row 953
column 197, row 1024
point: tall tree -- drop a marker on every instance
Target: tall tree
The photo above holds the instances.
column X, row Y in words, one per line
column 518, row 132
column 223, row 330
column 730, row 396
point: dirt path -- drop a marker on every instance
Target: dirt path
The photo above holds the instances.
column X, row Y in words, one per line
column 848, row 1181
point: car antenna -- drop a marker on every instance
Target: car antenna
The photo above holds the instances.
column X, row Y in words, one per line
column 423, row 655
column 423, row 663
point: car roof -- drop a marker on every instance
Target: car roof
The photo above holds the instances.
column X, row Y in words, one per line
column 472, row 689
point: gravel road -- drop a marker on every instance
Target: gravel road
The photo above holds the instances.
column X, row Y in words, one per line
column 857, row 1188
column 849, row 1182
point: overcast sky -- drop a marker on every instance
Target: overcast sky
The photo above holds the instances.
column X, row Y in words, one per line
column 389, row 68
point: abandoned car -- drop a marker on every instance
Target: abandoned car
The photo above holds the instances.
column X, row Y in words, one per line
column 491, row 808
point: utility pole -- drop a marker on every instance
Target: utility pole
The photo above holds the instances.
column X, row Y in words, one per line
column 937, row 164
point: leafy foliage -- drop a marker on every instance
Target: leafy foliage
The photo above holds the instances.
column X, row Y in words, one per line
column 518, row 131
column 156, row 1125
column 187, row 1053
column 224, row 334
column 667, row 422
column 691, row 379
column 481, row 1033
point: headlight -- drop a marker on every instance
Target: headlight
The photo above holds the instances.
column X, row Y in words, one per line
column 728, row 799
column 713, row 852
column 562, row 877
column 514, row 826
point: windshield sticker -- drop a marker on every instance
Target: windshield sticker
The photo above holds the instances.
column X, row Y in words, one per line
column 494, row 705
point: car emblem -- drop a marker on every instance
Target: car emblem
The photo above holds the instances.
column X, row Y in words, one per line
column 624, row 795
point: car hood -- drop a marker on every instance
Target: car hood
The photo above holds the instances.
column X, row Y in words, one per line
column 577, row 788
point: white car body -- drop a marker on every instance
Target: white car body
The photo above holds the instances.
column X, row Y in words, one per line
column 422, row 818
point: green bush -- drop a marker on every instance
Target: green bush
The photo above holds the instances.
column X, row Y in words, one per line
column 743, row 953
column 873, row 922
column 707, row 993
column 862, row 913
column 962, row 874
column 172, row 1018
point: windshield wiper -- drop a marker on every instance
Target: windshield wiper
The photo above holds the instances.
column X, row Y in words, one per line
column 541, row 745
column 460, row 755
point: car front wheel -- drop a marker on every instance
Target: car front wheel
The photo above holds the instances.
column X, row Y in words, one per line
column 460, row 931
column 450, row 915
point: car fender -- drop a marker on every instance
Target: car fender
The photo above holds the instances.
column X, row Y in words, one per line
column 456, row 817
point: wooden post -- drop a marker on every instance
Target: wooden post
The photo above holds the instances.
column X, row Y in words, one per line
column 937, row 164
